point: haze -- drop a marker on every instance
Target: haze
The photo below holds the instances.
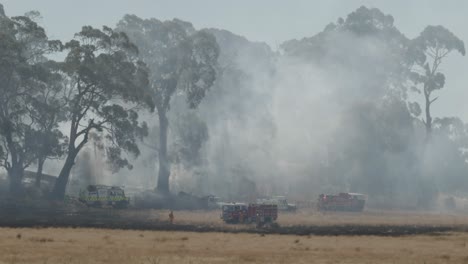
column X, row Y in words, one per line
column 242, row 131
column 270, row 21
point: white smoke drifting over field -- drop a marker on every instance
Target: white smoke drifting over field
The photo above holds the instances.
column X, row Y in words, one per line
column 302, row 121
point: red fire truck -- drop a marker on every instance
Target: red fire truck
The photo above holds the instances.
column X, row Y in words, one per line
column 342, row 202
column 253, row 213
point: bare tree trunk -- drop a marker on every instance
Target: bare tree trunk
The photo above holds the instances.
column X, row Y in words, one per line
column 40, row 165
column 164, row 172
column 428, row 122
column 16, row 171
column 428, row 117
column 58, row 193
column 15, row 175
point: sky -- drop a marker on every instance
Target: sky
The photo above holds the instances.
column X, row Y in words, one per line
column 270, row 21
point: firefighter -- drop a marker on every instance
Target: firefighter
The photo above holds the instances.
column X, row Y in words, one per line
column 257, row 220
column 171, row 217
column 241, row 216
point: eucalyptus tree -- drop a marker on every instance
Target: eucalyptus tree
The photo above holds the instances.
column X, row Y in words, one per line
column 428, row 51
column 104, row 87
column 180, row 60
column 371, row 149
column 366, row 43
column 24, row 74
column 46, row 112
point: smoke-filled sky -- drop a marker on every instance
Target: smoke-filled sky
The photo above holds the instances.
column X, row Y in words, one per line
column 271, row 21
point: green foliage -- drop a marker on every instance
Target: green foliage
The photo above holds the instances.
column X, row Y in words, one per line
column 362, row 23
column 180, row 59
column 376, row 149
column 109, row 76
column 414, row 108
column 438, row 38
column 105, row 86
column 177, row 56
column 367, row 42
column 426, row 53
column 25, row 76
column 365, row 21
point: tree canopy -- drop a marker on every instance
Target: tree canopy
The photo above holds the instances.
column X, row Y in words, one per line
column 335, row 111
column 179, row 58
column 428, row 51
column 25, row 74
column 104, row 85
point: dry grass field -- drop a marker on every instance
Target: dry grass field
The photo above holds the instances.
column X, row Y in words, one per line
column 117, row 246
column 81, row 245
column 312, row 217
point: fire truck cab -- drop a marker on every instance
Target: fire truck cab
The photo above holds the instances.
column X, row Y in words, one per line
column 253, row 213
column 233, row 213
column 341, row 202
column 104, row 196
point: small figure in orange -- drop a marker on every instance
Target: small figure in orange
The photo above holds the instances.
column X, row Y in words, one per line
column 171, row 217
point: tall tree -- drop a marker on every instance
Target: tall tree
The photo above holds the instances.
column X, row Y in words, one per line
column 240, row 100
column 45, row 110
column 428, row 51
column 23, row 75
column 373, row 149
column 368, row 42
column 50, row 142
column 179, row 59
column 105, row 84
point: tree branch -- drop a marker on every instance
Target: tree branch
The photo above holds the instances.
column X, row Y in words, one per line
column 90, row 126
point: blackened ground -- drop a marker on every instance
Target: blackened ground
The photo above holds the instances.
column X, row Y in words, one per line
column 20, row 216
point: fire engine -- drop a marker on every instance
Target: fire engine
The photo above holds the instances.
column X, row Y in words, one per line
column 104, row 196
column 281, row 201
column 252, row 213
column 342, row 202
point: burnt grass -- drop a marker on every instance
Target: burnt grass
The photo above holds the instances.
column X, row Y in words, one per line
column 118, row 219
